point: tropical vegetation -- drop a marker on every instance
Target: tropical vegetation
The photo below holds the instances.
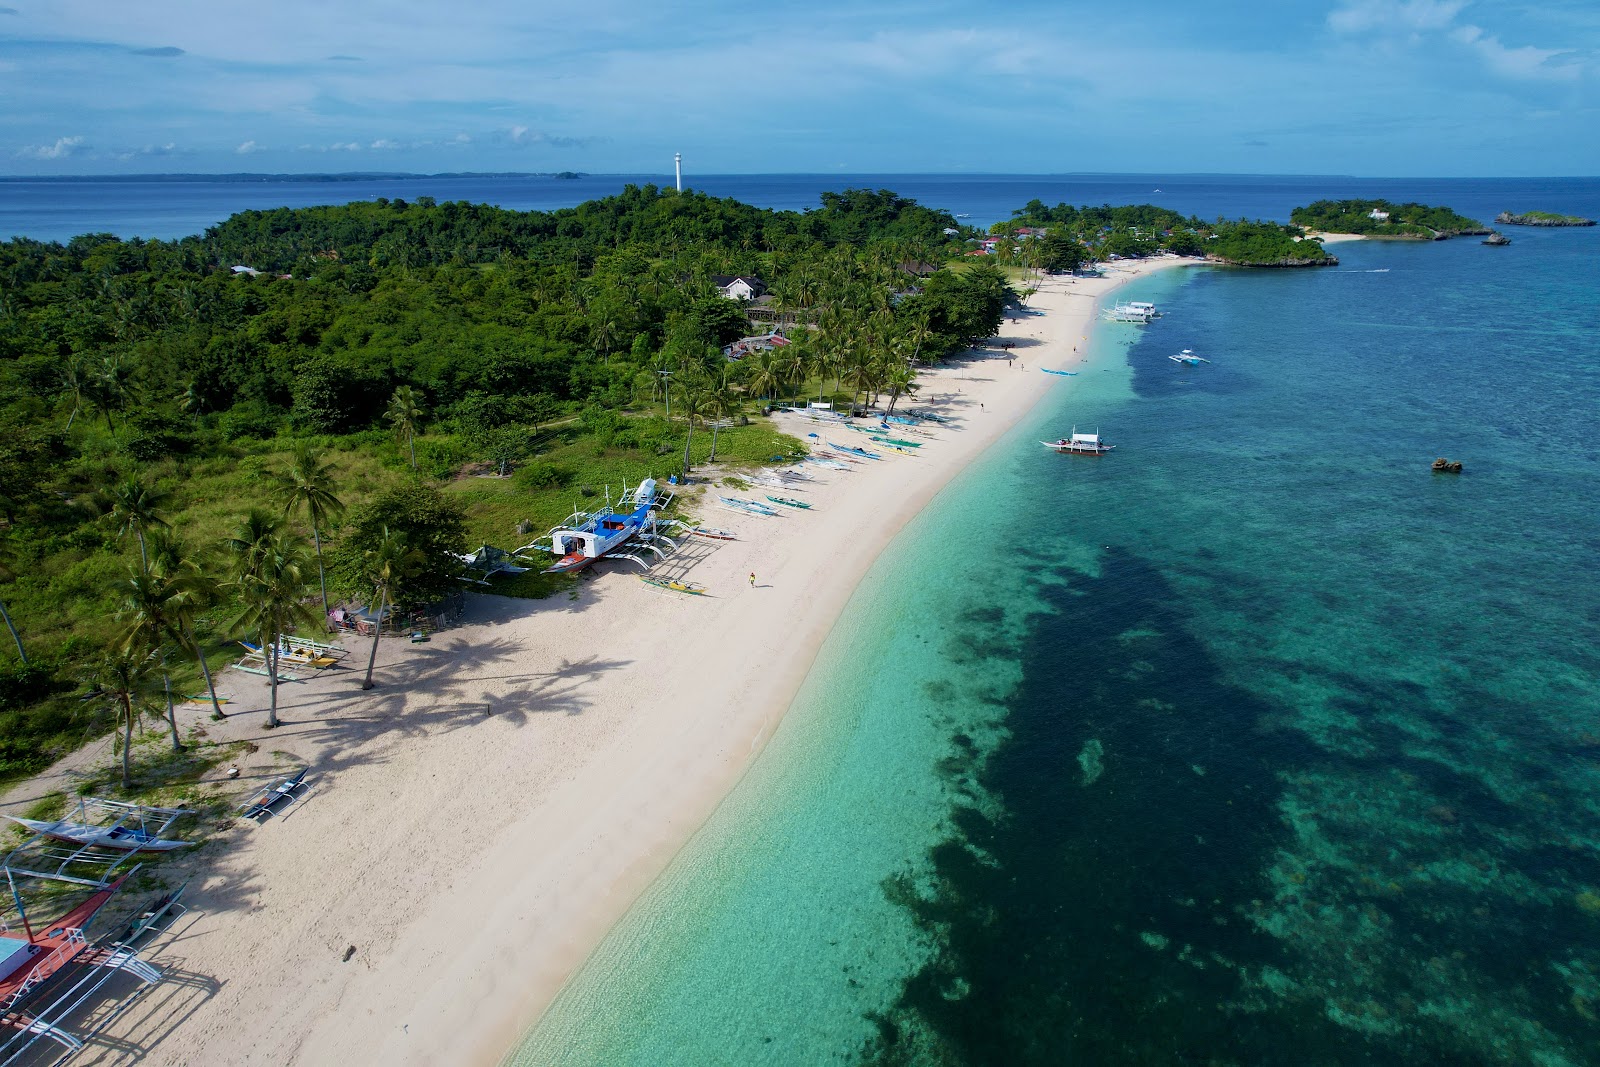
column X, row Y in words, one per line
column 332, row 404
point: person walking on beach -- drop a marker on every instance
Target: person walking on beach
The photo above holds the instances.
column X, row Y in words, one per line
column 752, row 579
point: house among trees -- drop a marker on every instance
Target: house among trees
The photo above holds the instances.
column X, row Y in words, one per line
column 739, row 287
column 1378, row 215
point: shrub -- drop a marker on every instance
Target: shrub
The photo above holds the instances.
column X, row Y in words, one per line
column 542, row 475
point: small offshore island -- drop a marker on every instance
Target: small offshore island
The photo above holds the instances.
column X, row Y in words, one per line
column 1540, row 218
column 1074, row 236
column 1380, row 218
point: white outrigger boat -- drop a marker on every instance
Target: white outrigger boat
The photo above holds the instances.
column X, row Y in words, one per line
column 134, row 827
column 1080, row 444
column 1188, row 356
column 1138, row 311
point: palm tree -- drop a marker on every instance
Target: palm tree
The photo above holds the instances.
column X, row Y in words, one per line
column 7, row 574
column 308, row 483
column 77, row 380
column 900, row 380
column 691, row 386
column 192, row 591
column 720, row 403
column 270, row 581
column 384, row 564
column 405, row 413
column 124, row 679
column 135, row 506
column 110, row 385
column 765, row 374
column 149, row 604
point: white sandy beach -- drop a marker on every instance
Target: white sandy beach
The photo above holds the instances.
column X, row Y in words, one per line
column 478, row 822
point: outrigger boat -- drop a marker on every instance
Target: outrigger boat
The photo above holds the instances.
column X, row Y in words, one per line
column 1188, row 356
column 751, row 507
column 714, row 533
column 831, row 464
column 789, row 503
column 134, row 827
column 692, row 588
column 1063, row 373
column 1080, row 444
column 602, row 532
column 849, row 451
column 896, row 441
column 1138, row 311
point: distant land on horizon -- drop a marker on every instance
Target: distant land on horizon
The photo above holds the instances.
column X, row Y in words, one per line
column 245, row 176
column 379, row 175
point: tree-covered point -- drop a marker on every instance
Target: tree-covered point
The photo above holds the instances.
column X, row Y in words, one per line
column 1064, row 238
column 436, row 376
column 1380, row 218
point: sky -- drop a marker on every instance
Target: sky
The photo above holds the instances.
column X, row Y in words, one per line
column 1364, row 87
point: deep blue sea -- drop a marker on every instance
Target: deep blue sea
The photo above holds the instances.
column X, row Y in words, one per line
column 1259, row 743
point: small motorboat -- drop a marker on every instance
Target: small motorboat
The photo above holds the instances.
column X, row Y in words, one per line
column 1063, row 373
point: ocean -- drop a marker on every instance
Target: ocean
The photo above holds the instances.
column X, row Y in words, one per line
column 1254, row 742
column 1258, row 743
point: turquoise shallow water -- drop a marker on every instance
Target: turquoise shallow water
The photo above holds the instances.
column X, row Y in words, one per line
column 1261, row 738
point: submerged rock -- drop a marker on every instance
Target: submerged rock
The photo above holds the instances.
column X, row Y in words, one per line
column 1089, row 760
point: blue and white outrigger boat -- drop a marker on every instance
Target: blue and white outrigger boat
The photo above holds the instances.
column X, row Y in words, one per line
column 847, row 450
column 633, row 523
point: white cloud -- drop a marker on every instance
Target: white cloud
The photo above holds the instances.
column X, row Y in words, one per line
column 1365, row 16
column 384, row 144
column 1414, row 21
column 64, row 147
column 1524, row 62
column 247, row 148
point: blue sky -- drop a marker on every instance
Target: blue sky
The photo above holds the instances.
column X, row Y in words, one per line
column 1367, row 87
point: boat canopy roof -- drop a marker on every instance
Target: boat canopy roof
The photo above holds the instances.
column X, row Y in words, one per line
column 1085, row 438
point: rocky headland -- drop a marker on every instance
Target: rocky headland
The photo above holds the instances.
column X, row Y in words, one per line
column 1540, row 218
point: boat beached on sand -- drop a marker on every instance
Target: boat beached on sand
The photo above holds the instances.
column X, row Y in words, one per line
column 1080, row 444
column 602, row 532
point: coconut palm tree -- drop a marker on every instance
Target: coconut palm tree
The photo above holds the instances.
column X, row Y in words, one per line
column 308, row 484
column 149, row 606
column 270, row 580
column 405, row 414
column 135, row 506
column 192, row 591
column 384, row 563
column 692, row 387
column 720, row 403
column 127, row 681
column 900, row 381
column 77, row 380
column 765, row 374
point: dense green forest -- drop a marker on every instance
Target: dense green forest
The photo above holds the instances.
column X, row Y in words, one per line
column 198, row 437
column 1074, row 236
column 1395, row 220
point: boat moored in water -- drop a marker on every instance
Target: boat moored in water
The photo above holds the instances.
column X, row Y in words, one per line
column 1080, row 444
column 1137, row 311
column 1188, row 356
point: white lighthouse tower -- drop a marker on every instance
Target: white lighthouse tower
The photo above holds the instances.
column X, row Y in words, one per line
column 677, row 166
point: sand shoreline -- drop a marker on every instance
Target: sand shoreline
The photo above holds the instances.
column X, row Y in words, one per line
column 479, row 822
